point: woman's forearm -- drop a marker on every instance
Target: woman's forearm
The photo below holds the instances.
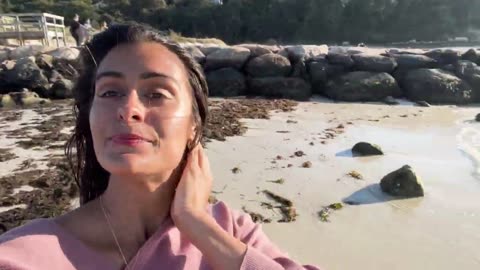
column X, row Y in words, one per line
column 221, row 250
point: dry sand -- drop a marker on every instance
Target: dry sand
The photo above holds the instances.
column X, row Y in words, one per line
column 439, row 231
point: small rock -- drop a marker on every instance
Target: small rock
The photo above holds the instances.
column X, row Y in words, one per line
column 366, row 149
column 307, row 164
column 299, row 153
column 477, row 118
column 235, row 170
column 403, row 182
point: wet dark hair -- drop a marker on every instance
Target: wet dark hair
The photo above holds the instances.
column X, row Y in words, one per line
column 90, row 176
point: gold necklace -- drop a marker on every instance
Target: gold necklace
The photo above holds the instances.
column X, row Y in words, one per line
column 114, row 234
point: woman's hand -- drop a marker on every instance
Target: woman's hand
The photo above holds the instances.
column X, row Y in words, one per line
column 189, row 212
column 193, row 189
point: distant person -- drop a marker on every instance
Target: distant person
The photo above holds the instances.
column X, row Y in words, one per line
column 74, row 27
column 84, row 32
column 104, row 26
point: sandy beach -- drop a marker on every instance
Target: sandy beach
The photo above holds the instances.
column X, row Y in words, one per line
column 439, row 231
column 372, row 230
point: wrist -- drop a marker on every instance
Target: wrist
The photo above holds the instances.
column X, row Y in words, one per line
column 187, row 219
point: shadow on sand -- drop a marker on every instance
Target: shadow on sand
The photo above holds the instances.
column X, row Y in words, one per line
column 370, row 194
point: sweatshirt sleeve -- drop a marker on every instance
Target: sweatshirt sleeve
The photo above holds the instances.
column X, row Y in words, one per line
column 261, row 252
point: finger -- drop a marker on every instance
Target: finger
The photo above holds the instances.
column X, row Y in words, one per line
column 205, row 165
column 194, row 157
column 200, row 156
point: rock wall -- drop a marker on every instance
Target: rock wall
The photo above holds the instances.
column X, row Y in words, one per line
column 438, row 76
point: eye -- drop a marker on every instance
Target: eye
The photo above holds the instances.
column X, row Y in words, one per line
column 156, row 95
column 110, row 93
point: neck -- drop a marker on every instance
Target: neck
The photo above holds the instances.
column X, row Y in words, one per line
column 138, row 205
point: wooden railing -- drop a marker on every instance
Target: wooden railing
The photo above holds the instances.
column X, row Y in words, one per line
column 33, row 26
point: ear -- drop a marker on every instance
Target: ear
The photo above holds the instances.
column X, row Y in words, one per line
column 191, row 136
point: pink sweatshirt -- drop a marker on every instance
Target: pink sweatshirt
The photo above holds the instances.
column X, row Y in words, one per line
column 43, row 244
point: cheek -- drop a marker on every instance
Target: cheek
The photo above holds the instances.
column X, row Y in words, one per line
column 173, row 135
column 98, row 124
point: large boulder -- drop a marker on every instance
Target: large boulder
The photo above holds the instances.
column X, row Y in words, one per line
column 61, row 89
column 363, row 86
column 280, row 87
column 269, row 65
column 469, row 72
column 465, row 69
column 196, row 53
column 374, row 63
column 6, row 101
column 65, row 53
column 24, row 73
column 321, row 71
column 258, row 50
column 304, row 52
column 318, row 75
column 403, row 182
column 444, row 56
column 472, row 55
column 44, row 61
column 207, row 49
column 342, row 59
column 4, row 54
column 412, row 61
column 436, row 86
column 67, row 68
column 26, row 98
column 226, row 82
column 300, row 70
column 26, row 51
column 234, row 57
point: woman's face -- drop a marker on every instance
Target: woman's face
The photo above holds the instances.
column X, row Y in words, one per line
column 141, row 115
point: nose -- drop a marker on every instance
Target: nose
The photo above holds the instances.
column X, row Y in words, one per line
column 131, row 109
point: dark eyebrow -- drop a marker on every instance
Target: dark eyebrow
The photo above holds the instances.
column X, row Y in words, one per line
column 153, row 74
column 114, row 74
column 143, row 76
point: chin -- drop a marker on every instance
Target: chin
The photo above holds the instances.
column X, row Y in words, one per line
column 127, row 164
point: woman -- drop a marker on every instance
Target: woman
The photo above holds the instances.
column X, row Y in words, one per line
column 144, row 179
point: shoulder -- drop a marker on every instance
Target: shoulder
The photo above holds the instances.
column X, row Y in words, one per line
column 29, row 230
column 28, row 243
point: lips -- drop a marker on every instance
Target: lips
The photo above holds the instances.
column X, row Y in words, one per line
column 129, row 139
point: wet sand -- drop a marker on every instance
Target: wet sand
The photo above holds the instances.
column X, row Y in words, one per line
column 439, row 231
column 442, row 143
